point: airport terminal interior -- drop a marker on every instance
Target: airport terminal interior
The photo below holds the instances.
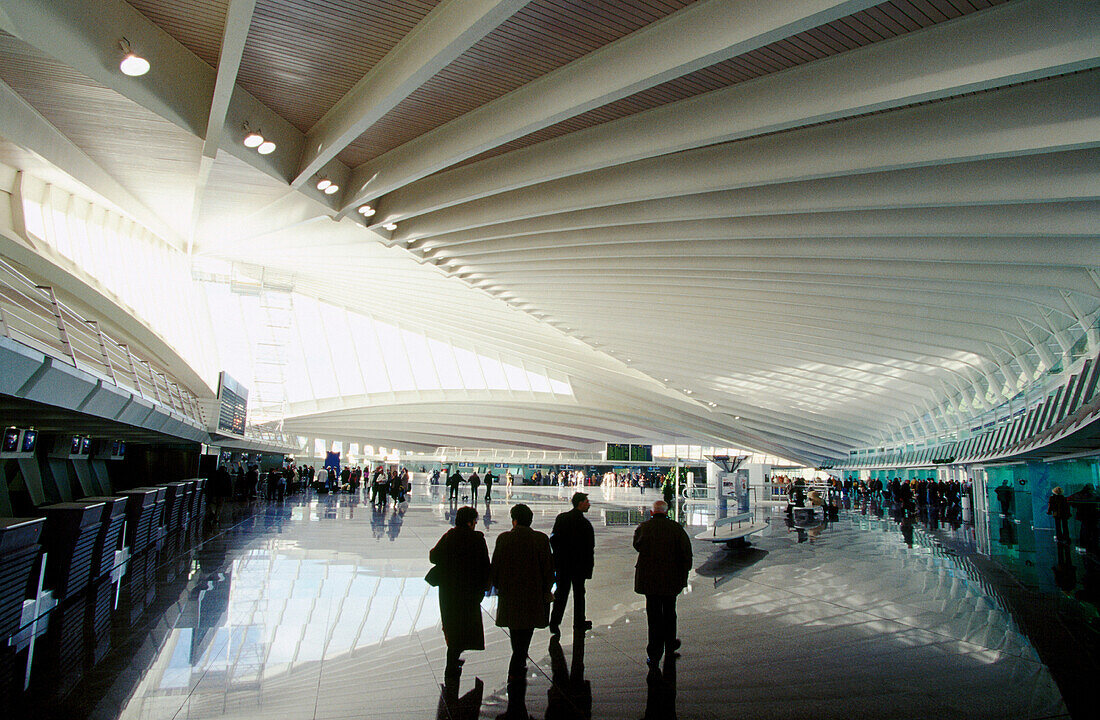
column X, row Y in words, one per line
column 286, row 284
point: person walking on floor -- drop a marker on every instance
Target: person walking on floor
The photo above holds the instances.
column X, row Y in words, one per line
column 453, row 481
column 664, row 560
column 574, row 545
column 461, row 560
column 522, row 571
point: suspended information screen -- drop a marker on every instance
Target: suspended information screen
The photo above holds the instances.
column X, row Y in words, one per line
column 234, row 404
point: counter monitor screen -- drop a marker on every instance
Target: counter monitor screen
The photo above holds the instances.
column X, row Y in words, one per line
column 86, row 446
column 29, row 439
column 74, row 445
column 11, row 440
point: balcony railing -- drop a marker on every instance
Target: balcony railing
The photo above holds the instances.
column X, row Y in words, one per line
column 32, row 315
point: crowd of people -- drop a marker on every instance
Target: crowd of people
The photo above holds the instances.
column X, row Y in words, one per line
column 533, row 575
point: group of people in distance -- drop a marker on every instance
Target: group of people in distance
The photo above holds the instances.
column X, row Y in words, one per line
column 533, row 576
column 454, row 480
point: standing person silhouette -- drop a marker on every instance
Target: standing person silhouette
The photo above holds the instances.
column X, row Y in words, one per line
column 664, row 560
column 522, row 571
column 574, row 544
column 462, row 559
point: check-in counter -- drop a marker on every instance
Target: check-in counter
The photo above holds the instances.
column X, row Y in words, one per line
column 19, row 555
column 175, row 500
column 109, row 544
column 69, row 538
column 141, row 507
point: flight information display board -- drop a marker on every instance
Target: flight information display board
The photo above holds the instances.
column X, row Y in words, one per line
column 641, row 453
column 234, row 404
column 617, row 452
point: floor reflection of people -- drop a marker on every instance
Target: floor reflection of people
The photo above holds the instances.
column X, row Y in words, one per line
column 1008, row 532
column 570, row 695
column 660, row 702
column 1065, row 574
column 455, row 707
column 396, row 520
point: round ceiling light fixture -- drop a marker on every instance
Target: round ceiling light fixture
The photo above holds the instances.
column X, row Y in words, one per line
column 132, row 64
column 323, row 184
column 332, row 189
column 366, row 210
column 266, row 147
column 390, row 226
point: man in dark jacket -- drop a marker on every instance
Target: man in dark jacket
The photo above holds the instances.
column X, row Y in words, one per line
column 453, row 481
column 475, row 483
column 1058, row 508
column 462, row 559
column 664, row 560
column 522, row 571
column 574, row 546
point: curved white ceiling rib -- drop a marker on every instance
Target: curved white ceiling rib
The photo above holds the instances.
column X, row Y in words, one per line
column 711, row 235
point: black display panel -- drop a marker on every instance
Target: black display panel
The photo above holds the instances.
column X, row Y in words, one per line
column 234, row 405
column 11, row 440
column 641, row 453
column 30, row 438
column 86, row 446
column 74, row 445
column 616, row 451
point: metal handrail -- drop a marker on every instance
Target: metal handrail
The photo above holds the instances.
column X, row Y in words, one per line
column 32, row 315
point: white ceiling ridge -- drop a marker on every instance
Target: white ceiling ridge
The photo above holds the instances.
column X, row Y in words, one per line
column 1069, row 175
column 1034, row 118
column 1005, row 45
column 690, row 39
column 655, row 244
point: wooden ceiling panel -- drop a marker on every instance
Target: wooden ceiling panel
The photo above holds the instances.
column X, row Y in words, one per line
column 541, row 37
column 873, row 25
column 195, row 24
column 301, row 57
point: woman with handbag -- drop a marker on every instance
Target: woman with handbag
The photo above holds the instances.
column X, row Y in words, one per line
column 461, row 571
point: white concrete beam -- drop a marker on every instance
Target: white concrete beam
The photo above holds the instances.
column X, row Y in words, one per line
column 1008, row 44
column 701, row 34
column 1042, row 117
column 450, row 29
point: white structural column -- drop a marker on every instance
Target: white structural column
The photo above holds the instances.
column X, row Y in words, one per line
column 1008, row 44
column 701, row 34
column 444, row 34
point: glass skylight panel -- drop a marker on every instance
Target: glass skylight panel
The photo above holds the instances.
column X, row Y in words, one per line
column 560, row 386
column 420, row 359
column 470, row 369
column 397, row 361
column 539, row 382
column 449, row 376
column 517, row 377
column 345, row 357
column 494, row 374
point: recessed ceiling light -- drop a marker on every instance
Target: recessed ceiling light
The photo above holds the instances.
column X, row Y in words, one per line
column 687, row 391
column 366, row 210
column 736, row 417
column 266, row 147
column 323, row 183
column 390, row 226
column 253, row 139
column 132, row 64
column 331, row 189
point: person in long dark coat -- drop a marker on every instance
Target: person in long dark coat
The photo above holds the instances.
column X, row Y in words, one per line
column 523, row 573
column 664, row 561
column 463, row 560
column 1058, row 508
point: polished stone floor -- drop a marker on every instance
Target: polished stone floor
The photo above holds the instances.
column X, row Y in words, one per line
column 316, row 608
